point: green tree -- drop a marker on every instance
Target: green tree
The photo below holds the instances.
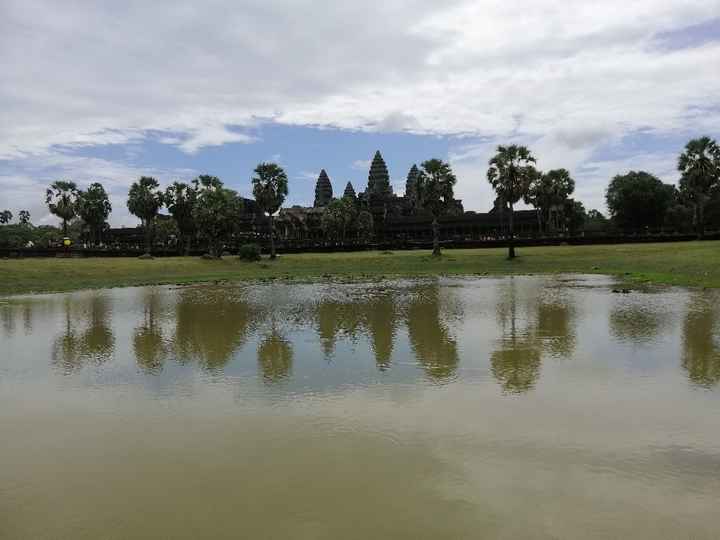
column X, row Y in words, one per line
column 548, row 193
column 93, row 207
column 180, row 200
column 700, row 168
column 434, row 191
column 364, row 226
column 24, row 217
column 144, row 201
column 638, row 199
column 216, row 212
column 270, row 187
column 574, row 215
column 338, row 217
column 511, row 172
column 595, row 221
column 6, row 217
column 61, row 198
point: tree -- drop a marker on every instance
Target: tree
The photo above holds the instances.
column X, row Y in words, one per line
column 700, row 168
column 434, row 189
column 180, row 200
column 270, row 187
column 216, row 212
column 61, row 198
column 574, row 215
column 511, row 172
column 364, row 226
column 338, row 217
column 6, row 217
column 548, row 193
column 595, row 221
column 93, row 207
column 638, row 200
column 144, row 201
column 24, row 217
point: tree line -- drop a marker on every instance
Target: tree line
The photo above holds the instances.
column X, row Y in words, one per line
column 205, row 209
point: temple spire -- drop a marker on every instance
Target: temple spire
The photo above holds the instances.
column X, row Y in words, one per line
column 349, row 192
column 411, row 182
column 323, row 190
column 378, row 177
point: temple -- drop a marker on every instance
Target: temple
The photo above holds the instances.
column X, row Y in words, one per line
column 396, row 218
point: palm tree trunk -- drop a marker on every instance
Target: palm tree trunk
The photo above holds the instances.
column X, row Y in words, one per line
column 436, row 238
column 148, row 237
column 272, row 237
column 511, row 239
column 701, row 218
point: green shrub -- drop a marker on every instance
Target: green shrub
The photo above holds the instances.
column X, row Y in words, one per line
column 249, row 252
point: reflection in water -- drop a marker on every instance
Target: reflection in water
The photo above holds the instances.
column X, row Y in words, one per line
column 701, row 341
column 636, row 319
column 374, row 314
column 148, row 340
column 516, row 364
column 74, row 349
column 555, row 326
column 592, row 454
column 380, row 317
column 429, row 337
column 211, row 324
column 275, row 356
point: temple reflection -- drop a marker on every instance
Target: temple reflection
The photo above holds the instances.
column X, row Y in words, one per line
column 430, row 339
column 374, row 315
column 211, row 325
column 701, row 341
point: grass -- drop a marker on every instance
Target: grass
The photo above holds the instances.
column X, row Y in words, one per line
column 687, row 263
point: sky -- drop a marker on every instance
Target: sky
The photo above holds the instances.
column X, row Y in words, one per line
column 109, row 91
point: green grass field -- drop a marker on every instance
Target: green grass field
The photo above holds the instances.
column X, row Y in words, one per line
column 689, row 263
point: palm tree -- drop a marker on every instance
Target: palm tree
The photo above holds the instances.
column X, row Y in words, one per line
column 547, row 192
column 24, row 217
column 5, row 217
column 144, row 201
column 94, row 208
column 61, row 198
column 270, row 187
column 511, row 172
column 700, row 168
column 434, row 192
column 180, row 200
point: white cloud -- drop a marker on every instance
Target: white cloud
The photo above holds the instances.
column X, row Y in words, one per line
column 29, row 178
column 361, row 164
column 193, row 74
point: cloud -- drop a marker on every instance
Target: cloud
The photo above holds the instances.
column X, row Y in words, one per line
column 361, row 164
column 28, row 179
column 196, row 75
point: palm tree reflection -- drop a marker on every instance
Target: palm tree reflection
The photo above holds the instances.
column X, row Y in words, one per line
column 430, row 339
column 701, row 341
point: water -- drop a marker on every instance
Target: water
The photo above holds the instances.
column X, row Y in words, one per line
column 525, row 407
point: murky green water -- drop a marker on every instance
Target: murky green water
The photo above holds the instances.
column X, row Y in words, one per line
column 526, row 407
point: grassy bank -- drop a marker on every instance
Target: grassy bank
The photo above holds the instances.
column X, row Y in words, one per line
column 689, row 263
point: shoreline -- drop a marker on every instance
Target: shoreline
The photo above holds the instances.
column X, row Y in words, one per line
column 688, row 264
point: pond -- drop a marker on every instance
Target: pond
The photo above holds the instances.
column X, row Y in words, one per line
column 518, row 407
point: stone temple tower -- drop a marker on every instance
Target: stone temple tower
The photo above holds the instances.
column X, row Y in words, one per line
column 323, row 190
column 379, row 178
column 349, row 192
